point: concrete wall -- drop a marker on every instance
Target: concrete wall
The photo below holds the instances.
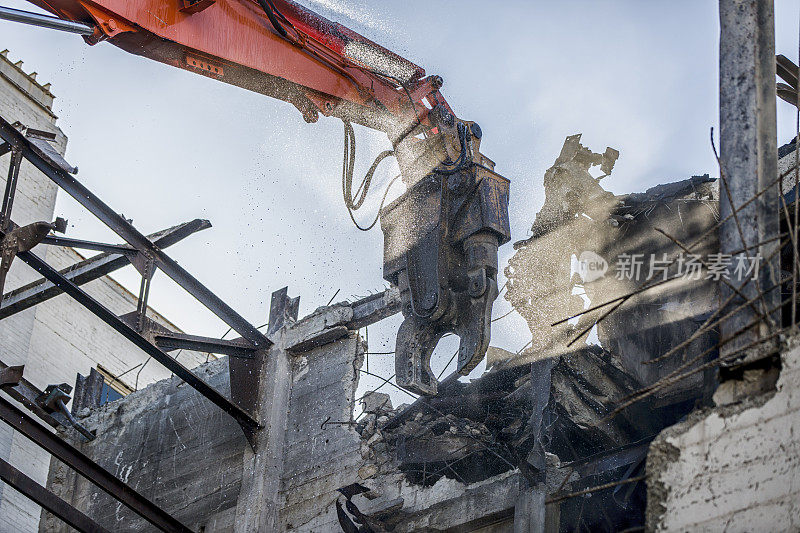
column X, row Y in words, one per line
column 732, row 468
column 320, row 459
column 170, row 444
column 184, row 454
column 59, row 338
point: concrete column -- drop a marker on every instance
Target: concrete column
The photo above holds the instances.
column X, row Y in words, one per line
column 258, row 506
column 748, row 153
column 529, row 512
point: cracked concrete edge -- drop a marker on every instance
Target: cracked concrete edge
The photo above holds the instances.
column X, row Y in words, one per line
column 330, row 323
column 659, row 457
column 662, row 453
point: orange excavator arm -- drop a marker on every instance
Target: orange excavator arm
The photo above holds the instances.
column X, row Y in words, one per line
column 440, row 237
column 274, row 47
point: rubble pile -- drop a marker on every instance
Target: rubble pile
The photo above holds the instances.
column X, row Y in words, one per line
column 545, row 411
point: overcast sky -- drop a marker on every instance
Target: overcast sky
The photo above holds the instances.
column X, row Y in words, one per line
column 163, row 145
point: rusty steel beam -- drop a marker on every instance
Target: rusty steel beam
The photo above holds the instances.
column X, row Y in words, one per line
column 131, row 235
column 91, row 269
column 49, row 501
column 88, row 245
column 182, row 341
column 244, row 419
column 82, row 464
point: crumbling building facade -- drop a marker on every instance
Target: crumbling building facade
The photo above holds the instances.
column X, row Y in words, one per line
column 546, row 440
column 657, row 391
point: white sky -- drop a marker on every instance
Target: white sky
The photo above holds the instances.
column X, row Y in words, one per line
column 163, row 145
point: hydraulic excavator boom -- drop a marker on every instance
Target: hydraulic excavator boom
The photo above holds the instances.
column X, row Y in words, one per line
column 441, row 235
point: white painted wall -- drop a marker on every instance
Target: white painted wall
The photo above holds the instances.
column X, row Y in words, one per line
column 738, row 467
column 58, row 339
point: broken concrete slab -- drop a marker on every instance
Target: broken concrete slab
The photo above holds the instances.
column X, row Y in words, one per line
column 548, row 280
column 376, row 402
column 325, row 325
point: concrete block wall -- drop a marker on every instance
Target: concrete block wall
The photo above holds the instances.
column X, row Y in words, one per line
column 732, row 468
column 21, row 99
column 168, row 443
column 59, row 338
column 35, row 198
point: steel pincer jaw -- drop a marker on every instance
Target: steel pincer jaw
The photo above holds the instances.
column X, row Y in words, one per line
column 474, row 327
column 416, row 341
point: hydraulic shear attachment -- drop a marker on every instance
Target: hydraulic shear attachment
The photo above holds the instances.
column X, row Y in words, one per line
column 440, row 249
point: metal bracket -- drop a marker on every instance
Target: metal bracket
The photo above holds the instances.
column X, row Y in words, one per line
column 146, row 266
column 22, row 239
column 53, row 400
column 11, row 375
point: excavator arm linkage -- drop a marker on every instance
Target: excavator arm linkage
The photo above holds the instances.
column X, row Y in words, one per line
column 440, row 237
